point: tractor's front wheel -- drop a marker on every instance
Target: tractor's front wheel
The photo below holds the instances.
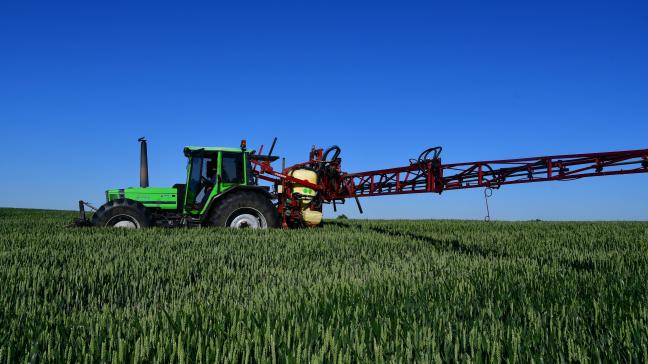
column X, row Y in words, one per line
column 122, row 213
column 244, row 209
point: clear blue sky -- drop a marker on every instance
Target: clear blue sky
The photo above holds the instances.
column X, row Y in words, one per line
column 80, row 83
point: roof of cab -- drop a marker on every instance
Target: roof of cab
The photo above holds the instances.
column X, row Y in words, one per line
column 192, row 149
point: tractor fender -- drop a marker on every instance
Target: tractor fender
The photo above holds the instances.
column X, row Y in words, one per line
column 261, row 189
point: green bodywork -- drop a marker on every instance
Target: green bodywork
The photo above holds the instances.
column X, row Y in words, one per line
column 163, row 198
column 167, row 199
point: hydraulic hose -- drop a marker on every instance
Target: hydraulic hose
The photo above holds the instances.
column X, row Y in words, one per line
column 335, row 155
column 424, row 157
column 331, row 173
column 325, row 159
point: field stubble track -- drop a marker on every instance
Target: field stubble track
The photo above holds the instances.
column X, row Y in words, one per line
column 354, row 291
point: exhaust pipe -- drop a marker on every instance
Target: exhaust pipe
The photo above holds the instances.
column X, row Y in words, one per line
column 143, row 163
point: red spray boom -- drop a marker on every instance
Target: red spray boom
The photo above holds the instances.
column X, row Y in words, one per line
column 427, row 174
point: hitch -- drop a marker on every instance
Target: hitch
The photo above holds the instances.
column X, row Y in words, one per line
column 82, row 220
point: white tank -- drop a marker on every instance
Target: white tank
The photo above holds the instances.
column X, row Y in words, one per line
column 310, row 217
column 306, row 192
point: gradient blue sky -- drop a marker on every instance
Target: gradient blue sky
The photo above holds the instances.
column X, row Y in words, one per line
column 384, row 80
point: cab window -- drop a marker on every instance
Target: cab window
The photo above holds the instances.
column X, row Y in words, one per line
column 232, row 167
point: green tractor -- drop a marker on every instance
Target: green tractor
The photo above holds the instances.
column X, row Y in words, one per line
column 220, row 190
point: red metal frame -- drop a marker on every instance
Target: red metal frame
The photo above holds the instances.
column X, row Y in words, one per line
column 431, row 175
column 437, row 177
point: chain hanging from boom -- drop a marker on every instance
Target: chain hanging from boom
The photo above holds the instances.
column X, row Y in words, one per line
column 488, row 192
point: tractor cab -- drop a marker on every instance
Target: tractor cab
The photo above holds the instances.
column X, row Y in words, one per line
column 210, row 172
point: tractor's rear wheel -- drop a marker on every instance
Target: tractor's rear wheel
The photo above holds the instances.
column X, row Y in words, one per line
column 244, row 209
column 122, row 213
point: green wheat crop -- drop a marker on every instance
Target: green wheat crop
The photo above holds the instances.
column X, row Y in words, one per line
column 354, row 291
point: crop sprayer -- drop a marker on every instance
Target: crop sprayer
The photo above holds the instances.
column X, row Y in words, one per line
column 222, row 185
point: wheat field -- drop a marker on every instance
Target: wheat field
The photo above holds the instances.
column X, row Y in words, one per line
column 353, row 291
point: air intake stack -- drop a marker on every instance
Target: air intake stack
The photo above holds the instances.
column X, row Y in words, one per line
column 143, row 163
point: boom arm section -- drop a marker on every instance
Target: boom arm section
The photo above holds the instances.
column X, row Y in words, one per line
column 432, row 176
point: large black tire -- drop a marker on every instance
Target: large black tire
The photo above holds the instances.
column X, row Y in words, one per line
column 123, row 213
column 241, row 209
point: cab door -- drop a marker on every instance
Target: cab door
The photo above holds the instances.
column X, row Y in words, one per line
column 231, row 170
column 201, row 181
